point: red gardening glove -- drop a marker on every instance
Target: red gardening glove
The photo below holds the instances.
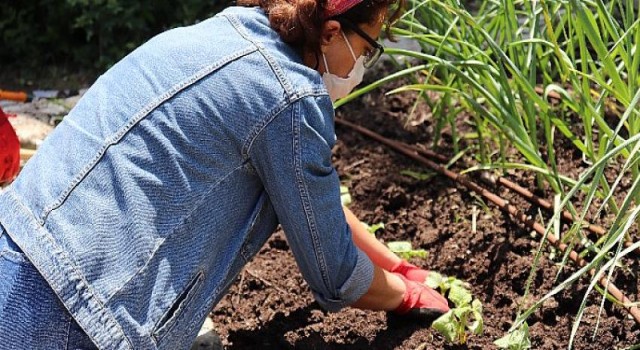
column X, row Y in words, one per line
column 421, row 301
column 9, row 150
column 410, row 271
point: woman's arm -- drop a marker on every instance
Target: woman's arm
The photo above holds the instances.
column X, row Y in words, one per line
column 401, row 291
column 379, row 254
column 386, row 292
column 393, row 292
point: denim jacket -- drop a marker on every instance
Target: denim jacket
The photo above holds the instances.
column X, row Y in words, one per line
column 171, row 172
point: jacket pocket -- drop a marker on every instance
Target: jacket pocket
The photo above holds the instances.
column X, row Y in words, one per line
column 171, row 317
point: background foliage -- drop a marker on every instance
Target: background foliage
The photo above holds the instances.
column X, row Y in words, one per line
column 89, row 33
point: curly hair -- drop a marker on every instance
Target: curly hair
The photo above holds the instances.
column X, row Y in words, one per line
column 299, row 22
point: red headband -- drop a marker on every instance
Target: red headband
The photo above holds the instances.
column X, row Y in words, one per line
column 338, row 7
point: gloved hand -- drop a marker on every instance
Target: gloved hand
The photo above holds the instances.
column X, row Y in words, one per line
column 410, row 271
column 421, row 301
column 9, row 150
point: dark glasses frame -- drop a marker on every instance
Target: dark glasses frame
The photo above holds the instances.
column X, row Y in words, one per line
column 372, row 57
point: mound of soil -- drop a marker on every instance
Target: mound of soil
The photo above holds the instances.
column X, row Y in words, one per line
column 270, row 305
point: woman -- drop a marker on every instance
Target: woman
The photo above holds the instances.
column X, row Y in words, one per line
column 144, row 204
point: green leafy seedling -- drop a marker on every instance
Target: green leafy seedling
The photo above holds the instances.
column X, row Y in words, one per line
column 345, row 196
column 445, row 284
column 465, row 317
column 404, row 250
column 455, row 323
column 518, row 339
column 418, row 176
column 374, row 228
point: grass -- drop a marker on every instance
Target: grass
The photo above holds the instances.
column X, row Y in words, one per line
column 502, row 64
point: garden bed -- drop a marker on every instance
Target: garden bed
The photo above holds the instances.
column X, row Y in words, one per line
column 270, row 306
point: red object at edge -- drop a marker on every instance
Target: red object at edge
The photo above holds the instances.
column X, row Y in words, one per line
column 9, row 150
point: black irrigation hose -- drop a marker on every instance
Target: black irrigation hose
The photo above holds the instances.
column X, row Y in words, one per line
column 526, row 194
column 502, row 204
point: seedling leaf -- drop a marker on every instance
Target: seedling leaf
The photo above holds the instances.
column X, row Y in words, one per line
column 373, row 228
column 399, row 246
column 345, row 196
column 417, row 253
column 467, row 314
column 434, row 280
column 446, row 325
column 476, row 310
column 404, row 250
column 476, row 326
column 516, row 340
column 459, row 294
column 418, row 176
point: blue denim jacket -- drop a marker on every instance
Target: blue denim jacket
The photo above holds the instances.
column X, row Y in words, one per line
column 172, row 171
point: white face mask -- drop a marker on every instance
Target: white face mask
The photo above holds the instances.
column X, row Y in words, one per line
column 339, row 87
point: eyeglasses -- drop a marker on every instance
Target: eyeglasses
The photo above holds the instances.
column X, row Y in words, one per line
column 372, row 55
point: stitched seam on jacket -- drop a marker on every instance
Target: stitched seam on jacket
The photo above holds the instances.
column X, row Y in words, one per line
column 66, row 345
column 273, row 114
column 135, row 120
column 264, row 198
column 288, row 88
column 293, row 96
column 92, row 294
column 161, row 242
column 302, row 189
column 306, row 203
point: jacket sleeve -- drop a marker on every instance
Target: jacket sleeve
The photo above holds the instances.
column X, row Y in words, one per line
column 292, row 155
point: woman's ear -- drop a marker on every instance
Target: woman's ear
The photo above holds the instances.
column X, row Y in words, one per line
column 330, row 31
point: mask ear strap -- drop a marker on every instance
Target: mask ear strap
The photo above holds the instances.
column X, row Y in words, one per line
column 326, row 66
column 349, row 45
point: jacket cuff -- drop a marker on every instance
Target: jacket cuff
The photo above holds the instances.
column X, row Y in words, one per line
column 353, row 288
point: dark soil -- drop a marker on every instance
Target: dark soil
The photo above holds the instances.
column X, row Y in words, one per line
column 270, row 305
